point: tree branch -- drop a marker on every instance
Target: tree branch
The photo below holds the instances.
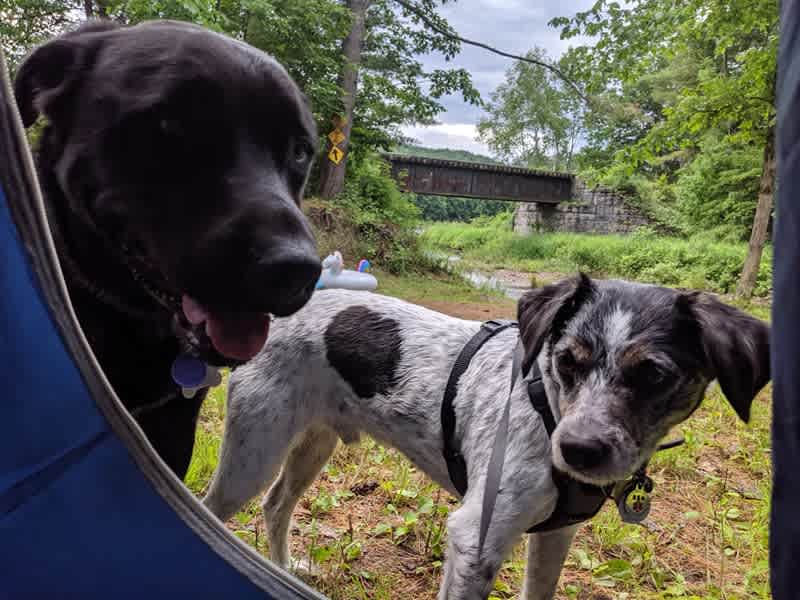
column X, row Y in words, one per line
column 454, row 36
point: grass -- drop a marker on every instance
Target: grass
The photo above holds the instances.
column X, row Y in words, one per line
column 698, row 263
column 375, row 526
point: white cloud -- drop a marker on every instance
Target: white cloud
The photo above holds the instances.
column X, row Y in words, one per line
column 458, row 136
column 511, row 25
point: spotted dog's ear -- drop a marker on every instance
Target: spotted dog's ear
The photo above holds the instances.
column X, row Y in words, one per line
column 736, row 346
column 545, row 311
column 47, row 77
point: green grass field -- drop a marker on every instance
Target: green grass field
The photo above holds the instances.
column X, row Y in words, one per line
column 375, row 526
column 698, row 263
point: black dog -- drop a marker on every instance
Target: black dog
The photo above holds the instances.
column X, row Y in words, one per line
column 172, row 163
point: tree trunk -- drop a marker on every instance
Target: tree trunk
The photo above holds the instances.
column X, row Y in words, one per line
column 331, row 178
column 758, row 237
column 88, row 8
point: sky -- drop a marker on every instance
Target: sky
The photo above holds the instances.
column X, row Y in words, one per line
column 510, row 25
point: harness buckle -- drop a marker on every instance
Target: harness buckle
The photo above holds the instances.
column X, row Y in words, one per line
column 494, row 325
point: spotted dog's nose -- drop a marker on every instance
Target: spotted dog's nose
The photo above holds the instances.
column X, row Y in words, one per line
column 584, row 453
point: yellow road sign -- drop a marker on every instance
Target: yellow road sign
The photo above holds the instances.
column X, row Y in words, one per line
column 336, row 155
column 336, row 137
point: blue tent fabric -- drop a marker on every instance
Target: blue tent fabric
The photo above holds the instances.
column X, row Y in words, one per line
column 86, row 508
column 785, row 517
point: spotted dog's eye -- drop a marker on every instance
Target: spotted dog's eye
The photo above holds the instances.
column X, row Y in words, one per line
column 648, row 375
column 568, row 366
column 566, row 360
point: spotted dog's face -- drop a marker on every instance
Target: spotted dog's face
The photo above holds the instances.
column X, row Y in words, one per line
column 186, row 153
column 622, row 363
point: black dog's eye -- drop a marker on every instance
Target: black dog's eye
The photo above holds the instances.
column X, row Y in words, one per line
column 170, row 127
column 301, row 153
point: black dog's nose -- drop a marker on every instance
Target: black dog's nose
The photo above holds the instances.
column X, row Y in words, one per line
column 584, row 453
column 285, row 278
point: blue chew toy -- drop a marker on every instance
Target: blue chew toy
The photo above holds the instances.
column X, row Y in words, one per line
column 192, row 374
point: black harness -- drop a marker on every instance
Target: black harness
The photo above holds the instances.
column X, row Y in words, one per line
column 577, row 501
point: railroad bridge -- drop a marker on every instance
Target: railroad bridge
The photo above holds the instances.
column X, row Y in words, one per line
column 548, row 200
column 438, row 177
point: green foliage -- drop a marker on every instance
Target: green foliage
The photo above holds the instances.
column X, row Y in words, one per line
column 373, row 195
column 308, row 48
column 24, row 23
column 717, row 192
column 532, row 118
column 700, row 262
column 441, row 208
column 394, row 88
column 665, row 77
column 303, row 35
column 371, row 219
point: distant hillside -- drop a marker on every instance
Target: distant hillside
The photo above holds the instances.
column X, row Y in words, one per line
column 446, row 154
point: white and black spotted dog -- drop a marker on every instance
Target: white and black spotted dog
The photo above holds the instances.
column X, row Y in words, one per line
column 621, row 363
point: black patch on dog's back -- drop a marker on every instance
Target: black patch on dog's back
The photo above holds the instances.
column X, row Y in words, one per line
column 364, row 348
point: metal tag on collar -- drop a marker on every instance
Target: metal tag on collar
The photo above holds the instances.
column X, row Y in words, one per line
column 633, row 500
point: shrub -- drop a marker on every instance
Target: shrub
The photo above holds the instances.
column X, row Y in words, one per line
column 717, row 192
column 371, row 219
column 698, row 262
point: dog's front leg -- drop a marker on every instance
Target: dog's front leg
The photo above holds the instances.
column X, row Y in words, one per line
column 547, row 552
column 467, row 576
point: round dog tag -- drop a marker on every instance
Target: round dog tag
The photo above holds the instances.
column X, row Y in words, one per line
column 634, row 502
column 188, row 371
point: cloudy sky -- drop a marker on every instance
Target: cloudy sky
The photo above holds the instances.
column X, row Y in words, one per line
column 511, row 25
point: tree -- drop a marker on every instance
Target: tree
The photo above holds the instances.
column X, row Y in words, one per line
column 532, row 118
column 731, row 48
column 386, row 85
column 25, row 23
column 331, row 181
column 758, row 238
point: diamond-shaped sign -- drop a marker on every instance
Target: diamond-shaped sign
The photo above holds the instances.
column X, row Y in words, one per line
column 336, row 155
column 336, row 137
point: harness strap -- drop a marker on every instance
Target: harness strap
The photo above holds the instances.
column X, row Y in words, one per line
column 494, row 470
column 538, row 398
column 456, row 465
column 577, row 501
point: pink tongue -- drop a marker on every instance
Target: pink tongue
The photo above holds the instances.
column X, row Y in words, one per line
column 195, row 313
column 240, row 337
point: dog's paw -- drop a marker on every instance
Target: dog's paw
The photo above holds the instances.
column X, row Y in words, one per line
column 305, row 568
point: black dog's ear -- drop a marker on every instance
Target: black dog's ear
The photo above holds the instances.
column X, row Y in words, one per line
column 47, row 76
column 736, row 346
column 545, row 311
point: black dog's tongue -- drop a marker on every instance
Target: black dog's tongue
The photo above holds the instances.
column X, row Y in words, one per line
column 239, row 336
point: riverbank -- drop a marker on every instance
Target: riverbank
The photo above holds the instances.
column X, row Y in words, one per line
column 695, row 263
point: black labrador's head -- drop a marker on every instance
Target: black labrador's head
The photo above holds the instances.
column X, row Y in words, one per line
column 624, row 362
column 186, row 153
